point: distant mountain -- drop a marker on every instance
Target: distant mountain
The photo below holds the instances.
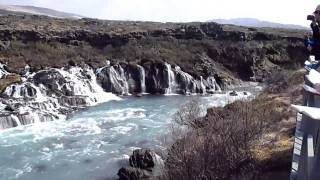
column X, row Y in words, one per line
column 21, row 10
column 251, row 22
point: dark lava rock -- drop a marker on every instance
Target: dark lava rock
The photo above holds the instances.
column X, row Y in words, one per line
column 132, row 173
column 143, row 165
column 53, row 79
column 142, row 158
column 49, row 78
column 112, row 79
column 233, row 93
column 9, row 108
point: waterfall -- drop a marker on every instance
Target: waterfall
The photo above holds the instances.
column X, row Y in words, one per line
column 83, row 82
column 24, row 90
column 113, row 79
column 53, row 93
column 99, row 93
column 212, row 84
column 118, row 79
column 188, row 83
column 15, row 119
column 49, row 98
column 170, row 80
column 142, row 79
column 202, row 86
column 122, row 78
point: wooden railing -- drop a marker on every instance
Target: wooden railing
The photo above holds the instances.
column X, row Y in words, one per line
column 306, row 159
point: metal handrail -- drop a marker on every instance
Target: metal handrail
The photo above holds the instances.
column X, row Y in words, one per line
column 306, row 145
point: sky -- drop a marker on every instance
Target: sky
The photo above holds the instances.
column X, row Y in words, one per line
column 281, row 11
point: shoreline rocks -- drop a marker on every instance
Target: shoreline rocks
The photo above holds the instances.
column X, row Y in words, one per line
column 144, row 164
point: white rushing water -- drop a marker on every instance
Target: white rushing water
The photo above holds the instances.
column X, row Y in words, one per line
column 94, row 143
column 142, row 79
column 171, row 80
column 86, row 87
column 39, row 103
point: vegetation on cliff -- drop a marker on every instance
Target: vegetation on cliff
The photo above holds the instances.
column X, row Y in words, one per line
column 200, row 49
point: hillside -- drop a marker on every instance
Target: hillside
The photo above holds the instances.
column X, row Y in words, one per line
column 251, row 22
column 32, row 10
column 201, row 49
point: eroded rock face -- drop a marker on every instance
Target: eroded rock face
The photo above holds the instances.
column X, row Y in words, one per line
column 136, row 78
column 153, row 78
column 52, row 79
column 112, row 79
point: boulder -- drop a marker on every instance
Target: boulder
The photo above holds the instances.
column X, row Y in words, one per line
column 143, row 158
column 144, row 164
column 9, row 108
column 233, row 93
column 132, row 173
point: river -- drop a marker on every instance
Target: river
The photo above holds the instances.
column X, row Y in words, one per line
column 93, row 143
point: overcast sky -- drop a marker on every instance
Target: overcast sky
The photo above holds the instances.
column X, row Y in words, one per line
column 282, row 11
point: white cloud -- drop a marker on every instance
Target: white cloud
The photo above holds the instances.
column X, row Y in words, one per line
column 283, row 11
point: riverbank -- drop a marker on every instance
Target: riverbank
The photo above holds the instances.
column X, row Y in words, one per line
column 255, row 137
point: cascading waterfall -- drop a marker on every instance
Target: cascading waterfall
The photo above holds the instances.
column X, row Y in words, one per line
column 170, row 80
column 142, row 79
column 36, row 102
column 83, row 82
column 203, row 87
column 52, row 93
column 189, row 84
column 124, row 80
column 113, row 79
column 15, row 119
column 118, row 78
column 212, row 84
column 24, row 90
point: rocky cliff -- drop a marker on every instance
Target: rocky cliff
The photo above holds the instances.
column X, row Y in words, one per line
column 52, row 66
column 200, row 49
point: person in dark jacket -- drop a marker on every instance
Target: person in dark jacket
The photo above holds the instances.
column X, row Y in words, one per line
column 315, row 42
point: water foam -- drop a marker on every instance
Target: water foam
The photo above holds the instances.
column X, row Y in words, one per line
column 35, row 101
